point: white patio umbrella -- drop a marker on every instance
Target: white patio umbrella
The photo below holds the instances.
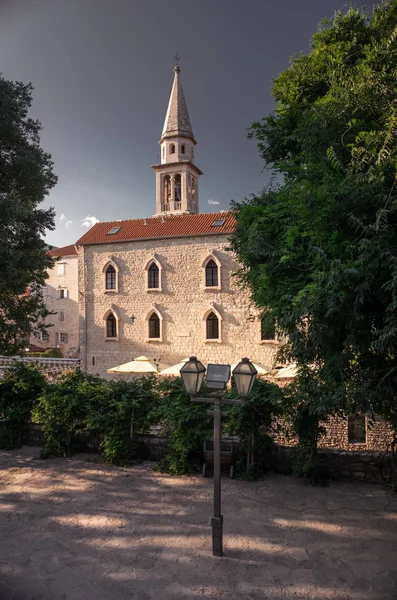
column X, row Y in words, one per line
column 260, row 370
column 174, row 370
column 287, row 372
column 139, row 366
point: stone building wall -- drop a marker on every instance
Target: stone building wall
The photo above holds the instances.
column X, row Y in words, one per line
column 182, row 305
column 378, row 435
column 65, row 319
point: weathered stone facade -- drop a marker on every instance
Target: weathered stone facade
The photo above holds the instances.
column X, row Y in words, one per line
column 182, row 303
column 377, row 435
column 61, row 297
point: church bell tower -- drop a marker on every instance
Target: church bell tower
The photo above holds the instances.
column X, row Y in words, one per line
column 177, row 175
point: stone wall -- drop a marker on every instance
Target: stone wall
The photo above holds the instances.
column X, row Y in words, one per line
column 368, row 466
column 182, row 305
column 50, row 366
column 379, row 434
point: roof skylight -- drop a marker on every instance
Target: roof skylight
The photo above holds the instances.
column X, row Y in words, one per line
column 113, row 230
column 218, row 223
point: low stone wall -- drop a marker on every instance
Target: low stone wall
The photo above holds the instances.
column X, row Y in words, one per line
column 369, row 466
column 49, row 366
column 366, row 465
column 86, row 441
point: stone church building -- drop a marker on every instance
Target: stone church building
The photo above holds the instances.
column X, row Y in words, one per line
column 164, row 286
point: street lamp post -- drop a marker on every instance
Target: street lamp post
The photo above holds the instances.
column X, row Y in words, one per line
column 193, row 373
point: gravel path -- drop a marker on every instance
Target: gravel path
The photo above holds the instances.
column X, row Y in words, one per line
column 81, row 530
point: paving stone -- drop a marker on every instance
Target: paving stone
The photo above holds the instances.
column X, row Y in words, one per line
column 146, row 536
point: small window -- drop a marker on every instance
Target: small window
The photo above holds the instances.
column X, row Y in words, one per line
column 268, row 330
column 172, row 149
column 183, row 149
column 62, row 293
column 110, row 278
column 44, row 336
column 61, row 316
column 111, row 326
column 212, row 327
column 153, row 277
column 218, row 223
column 113, row 230
column 211, row 274
column 154, row 327
column 93, row 361
column 61, row 269
column 63, row 338
column 356, row 430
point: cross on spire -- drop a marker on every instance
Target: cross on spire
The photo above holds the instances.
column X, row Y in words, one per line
column 177, row 59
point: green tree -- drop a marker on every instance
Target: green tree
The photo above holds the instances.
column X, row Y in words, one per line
column 19, row 390
column 26, row 176
column 253, row 422
column 63, row 409
column 186, row 424
column 128, row 408
column 319, row 248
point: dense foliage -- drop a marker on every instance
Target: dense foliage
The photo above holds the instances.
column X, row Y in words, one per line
column 125, row 409
column 319, row 249
column 253, row 423
column 19, row 390
column 63, row 410
column 187, row 425
column 26, row 176
column 74, row 408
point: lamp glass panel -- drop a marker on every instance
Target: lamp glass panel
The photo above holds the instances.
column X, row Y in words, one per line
column 190, row 381
column 244, row 376
column 192, row 374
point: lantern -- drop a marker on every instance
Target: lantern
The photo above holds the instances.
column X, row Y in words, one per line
column 244, row 376
column 192, row 374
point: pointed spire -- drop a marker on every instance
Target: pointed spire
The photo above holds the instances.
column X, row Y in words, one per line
column 177, row 121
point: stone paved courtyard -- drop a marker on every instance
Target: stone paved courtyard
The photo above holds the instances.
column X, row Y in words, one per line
column 80, row 530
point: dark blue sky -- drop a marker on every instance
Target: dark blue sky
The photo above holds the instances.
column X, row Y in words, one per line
column 102, row 72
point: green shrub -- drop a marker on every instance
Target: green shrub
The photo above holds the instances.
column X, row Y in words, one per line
column 128, row 408
column 63, row 408
column 187, row 425
column 19, row 390
column 252, row 423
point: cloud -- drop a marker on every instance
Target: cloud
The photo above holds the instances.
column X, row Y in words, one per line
column 62, row 217
column 212, row 202
column 68, row 223
column 89, row 221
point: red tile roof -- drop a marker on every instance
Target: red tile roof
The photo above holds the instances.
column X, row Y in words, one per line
column 65, row 251
column 171, row 226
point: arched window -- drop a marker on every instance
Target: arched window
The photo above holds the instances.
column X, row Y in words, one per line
column 154, row 327
column 177, row 188
column 153, row 277
column 212, row 328
column 167, row 188
column 183, row 149
column 268, row 330
column 110, row 283
column 211, row 274
column 172, row 149
column 111, row 326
